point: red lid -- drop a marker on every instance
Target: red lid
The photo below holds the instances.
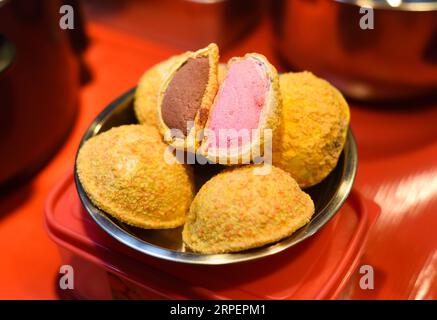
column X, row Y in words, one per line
column 318, row 268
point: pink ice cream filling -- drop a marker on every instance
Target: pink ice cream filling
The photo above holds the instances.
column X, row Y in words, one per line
column 238, row 104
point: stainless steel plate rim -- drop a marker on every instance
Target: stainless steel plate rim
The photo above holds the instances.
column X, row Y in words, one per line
column 123, row 236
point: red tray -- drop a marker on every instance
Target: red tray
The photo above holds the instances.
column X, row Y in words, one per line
column 318, row 268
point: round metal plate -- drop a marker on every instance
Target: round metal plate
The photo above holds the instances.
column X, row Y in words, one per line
column 328, row 197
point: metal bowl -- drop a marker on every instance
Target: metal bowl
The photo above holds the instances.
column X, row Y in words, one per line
column 397, row 59
column 328, row 197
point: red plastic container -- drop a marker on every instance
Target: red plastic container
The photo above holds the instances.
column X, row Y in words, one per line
column 318, row 268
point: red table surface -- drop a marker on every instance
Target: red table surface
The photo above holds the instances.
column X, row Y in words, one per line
column 397, row 167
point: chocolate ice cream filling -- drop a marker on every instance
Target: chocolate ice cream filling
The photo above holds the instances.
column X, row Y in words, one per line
column 183, row 96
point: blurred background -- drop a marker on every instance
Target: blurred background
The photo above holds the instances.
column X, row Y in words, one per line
column 54, row 81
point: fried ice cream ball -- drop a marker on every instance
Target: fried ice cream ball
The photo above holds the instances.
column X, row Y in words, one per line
column 185, row 96
column 146, row 94
column 314, row 124
column 124, row 173
column 238, row 210
column 246, row 106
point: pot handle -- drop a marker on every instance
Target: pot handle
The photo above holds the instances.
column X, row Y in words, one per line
column 7, row 54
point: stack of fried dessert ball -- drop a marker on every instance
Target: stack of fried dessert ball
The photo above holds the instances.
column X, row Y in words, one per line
column 184, row 103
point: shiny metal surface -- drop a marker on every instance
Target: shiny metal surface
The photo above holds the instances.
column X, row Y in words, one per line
column 408, row 5
column 37, row 70
column 328, row 197
column 7, row 54
column 396, row 59
column 185, row 24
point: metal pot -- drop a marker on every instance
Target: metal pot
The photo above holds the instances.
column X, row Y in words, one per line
column 186, row 24
column 38, row 86
column 396, row 59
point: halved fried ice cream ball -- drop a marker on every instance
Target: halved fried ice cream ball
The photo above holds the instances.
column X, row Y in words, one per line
column 247, row 103
column 314, row 124
column 146, row 94
column 185, row 96
column 124, row 173
column 238, row 210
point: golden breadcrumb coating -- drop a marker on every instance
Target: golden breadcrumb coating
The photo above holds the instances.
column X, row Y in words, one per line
column 124, row 173
column 221, row 72
column 146, row 94
column 238, row 210
column 314, row 124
